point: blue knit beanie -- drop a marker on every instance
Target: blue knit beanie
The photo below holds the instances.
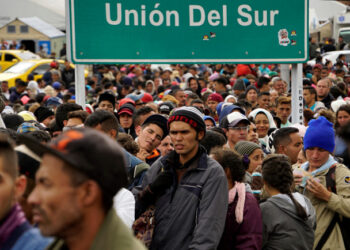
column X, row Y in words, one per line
column 320, row 133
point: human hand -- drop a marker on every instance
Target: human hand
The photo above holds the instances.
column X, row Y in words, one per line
column 162, row 182
column 297, row 178
column 142, row 154
column 318, row 190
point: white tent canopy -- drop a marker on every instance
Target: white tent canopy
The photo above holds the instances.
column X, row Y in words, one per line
column 51, row 11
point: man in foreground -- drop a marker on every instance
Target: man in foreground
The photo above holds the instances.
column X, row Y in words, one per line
column 76, row 182
column 188, row 187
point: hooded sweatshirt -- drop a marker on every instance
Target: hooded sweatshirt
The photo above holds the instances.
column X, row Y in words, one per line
column 283, row 228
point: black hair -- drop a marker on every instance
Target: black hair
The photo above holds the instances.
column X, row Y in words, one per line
column 262, row 80
column 277, row 173
column 212, row 139
column 140, row 112
column 62, row 112
column 106, row 119
column 219, row 130
column 40, row 136
column 231, row 160
column 264, row 93
column 196, row 101
column 345, row 108
column 12, row 121
column 221, row 80
column 283, row 136
column 311, row 90
column 336, row 92
column 192, row 96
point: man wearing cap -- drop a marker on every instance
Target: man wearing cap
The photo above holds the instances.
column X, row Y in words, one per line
column 239, row 87
column 80, row 173
column 150, row 134
column 125, row 114
column 137, row 99
column 326, row 183
column 44, row 116
column 191, row 189
column 236, row 126
column 106, row 101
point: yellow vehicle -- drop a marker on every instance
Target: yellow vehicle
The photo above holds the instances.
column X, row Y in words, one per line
column 24, row 68
column 10, row 57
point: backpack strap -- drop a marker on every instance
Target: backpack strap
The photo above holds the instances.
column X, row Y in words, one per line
column 330, row 179
column 330, row 184
column 328, row 232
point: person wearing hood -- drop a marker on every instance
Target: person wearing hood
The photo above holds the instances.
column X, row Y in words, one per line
column 289, row 219
column 230, row 98
column 243, row 226
column 239, row 87
column 33, row 89
column 150, row 88
column 264, row 122
column 209, row 121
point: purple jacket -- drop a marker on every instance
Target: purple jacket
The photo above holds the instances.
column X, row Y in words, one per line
column 248, row 234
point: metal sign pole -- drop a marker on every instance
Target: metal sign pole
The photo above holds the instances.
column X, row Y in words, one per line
column 79, row 69
column 297, row 94
column 285, row 74
column 80, row 85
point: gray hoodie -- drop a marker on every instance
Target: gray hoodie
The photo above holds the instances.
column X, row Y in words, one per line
column 283, row 228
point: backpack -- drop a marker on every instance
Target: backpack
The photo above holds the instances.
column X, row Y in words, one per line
column 343, row 223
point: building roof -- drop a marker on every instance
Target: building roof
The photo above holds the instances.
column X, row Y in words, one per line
column 51, row 11
column 41, row 26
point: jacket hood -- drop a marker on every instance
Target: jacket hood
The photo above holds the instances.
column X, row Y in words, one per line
column 284, row 202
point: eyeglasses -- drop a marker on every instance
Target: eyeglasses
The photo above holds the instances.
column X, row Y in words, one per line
column 239, row 128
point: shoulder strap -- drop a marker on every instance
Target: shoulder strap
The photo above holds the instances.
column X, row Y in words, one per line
column 330, row 179
column 327, row 233
column 330, row 183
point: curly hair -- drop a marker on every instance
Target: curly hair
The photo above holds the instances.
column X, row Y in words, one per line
column 228, row 159
column 277, row 173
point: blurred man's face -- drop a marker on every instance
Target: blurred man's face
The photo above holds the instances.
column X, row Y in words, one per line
column 7, row 191
column 166, row 146
column 106, row 105
column 181, row 97
column 324, row 73
column 4, row 87
column 322, row 88
column 55, row 201
column 283, row 112
column 264, row 102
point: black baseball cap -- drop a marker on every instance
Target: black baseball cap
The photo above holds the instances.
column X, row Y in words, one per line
column 160, row 121
column 89, row 152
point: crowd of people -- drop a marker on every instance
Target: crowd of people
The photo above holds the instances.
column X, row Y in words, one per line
column 176, row 157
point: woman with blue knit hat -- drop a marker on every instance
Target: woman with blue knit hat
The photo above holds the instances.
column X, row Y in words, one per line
column 326, row 183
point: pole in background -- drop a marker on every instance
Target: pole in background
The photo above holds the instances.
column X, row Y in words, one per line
column 297, row 94
column 285, row 74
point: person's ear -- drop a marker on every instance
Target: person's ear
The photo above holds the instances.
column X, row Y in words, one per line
column 113, row 133
column 20, row 186
column 65, row 122
column 138, row 130
column 89, row 192
column 200, row 135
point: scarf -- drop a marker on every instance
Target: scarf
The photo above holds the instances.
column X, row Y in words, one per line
column 240, row 189
column 330, row 162
column 14, row 219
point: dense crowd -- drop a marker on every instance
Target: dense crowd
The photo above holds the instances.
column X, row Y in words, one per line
column 175, row 157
